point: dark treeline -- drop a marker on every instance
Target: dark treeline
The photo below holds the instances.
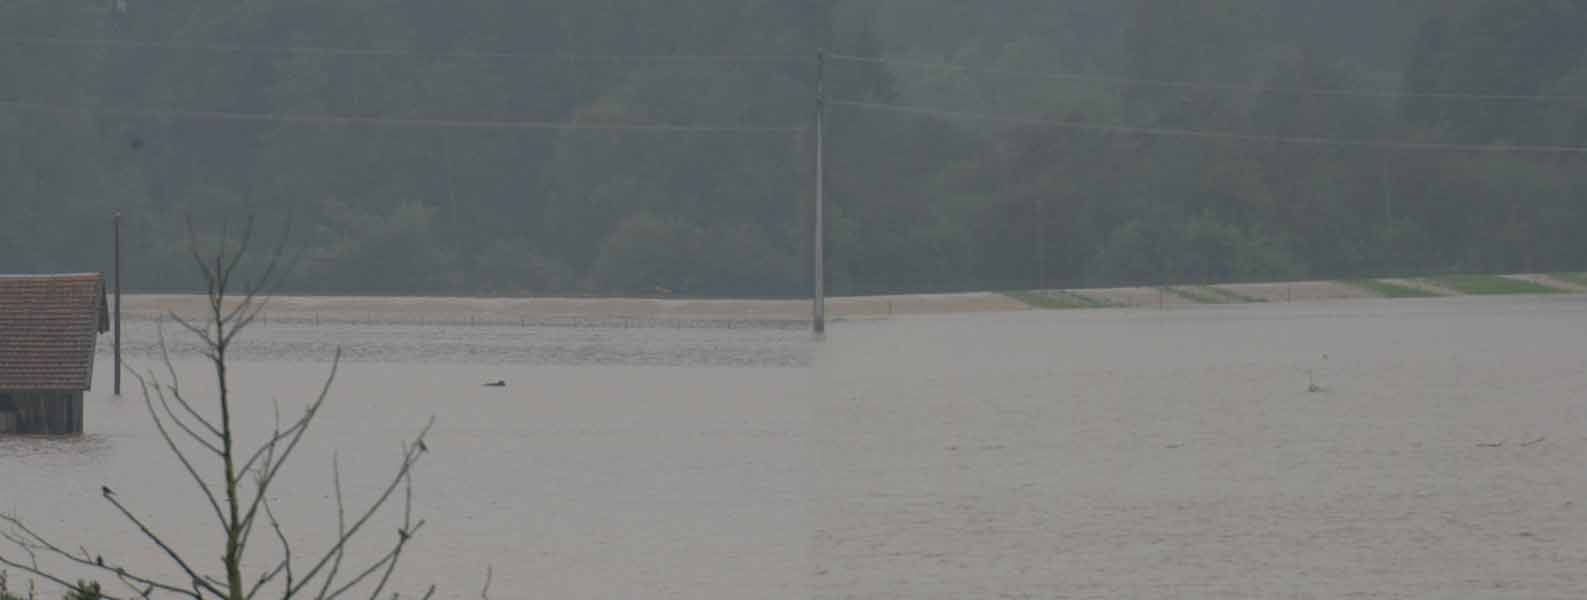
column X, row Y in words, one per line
column 441, row 186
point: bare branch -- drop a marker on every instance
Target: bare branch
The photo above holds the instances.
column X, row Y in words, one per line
column 177, row 558
column 403, row 535
column 35, row 542
column 226, row 319
column 484, row 593
column 37, row 572
column 286, row 555
column 181, row 424
column 133, row 585
column 341, row 524
column 202, row 333
column 176, row 382
column 236, row 259
column 177, row 451
column 252, row 303
column 273, row 466
column 261, row 481
column 386, row 561
column 408, row 461
column 198, row 255
column 275, row 438
column 159, row 392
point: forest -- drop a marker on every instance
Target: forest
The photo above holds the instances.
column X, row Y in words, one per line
column 639, row 147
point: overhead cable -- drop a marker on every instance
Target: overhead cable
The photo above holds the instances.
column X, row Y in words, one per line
column 1224, row 135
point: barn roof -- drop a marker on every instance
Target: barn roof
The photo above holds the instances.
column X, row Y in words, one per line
column 48, row 327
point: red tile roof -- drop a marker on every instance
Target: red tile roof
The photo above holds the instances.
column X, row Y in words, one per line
column 48, row 325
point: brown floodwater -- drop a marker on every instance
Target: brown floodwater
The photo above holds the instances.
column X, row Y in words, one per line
column 1180, row 453
column 1092, row 454
column 621, row 460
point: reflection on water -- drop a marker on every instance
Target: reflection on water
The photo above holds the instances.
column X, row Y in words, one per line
column 68, row 449
column 562, row 342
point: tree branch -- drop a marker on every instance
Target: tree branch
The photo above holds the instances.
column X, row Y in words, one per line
column 341, row 524
column 34, row 542
column 176, row 382
column 403, row 535
column 180, row 562
column 286, row 555
column 409, row 459
column 177, row 451
column 274, row 465
column 387, row 561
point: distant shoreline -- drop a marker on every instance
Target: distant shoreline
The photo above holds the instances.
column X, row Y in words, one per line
column 458, row 309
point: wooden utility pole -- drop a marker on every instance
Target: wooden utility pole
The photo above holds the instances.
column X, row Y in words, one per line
column 117, row 226
column 818, row 234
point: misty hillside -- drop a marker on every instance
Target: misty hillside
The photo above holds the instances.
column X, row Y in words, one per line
column 597, row 146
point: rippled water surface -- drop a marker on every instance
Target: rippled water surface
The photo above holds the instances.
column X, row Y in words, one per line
column 623, row 459
column 1372, row 449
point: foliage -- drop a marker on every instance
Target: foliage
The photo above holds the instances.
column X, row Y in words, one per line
column 85, row 590
column 916, row 202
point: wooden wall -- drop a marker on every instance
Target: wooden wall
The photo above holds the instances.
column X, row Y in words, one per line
column 41, row 413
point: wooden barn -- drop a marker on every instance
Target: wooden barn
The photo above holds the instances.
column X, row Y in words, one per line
column 49, row 325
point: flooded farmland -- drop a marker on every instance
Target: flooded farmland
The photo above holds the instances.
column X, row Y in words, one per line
column 1422, row 448
column 622, row 459
column 1182, row 453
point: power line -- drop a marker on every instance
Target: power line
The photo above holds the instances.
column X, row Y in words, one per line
column 1179, row 84
column 1223, row 135
column 314, row 119
column 389, row 53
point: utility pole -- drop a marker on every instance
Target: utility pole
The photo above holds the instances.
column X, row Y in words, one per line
column 116, row 220
column 1041, row 241
column 818, row 235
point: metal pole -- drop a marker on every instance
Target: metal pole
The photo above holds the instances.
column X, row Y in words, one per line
column 818, row 235
column 117, row 223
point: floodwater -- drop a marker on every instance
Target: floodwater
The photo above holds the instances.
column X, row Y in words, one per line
column 1095, row 454
column 623, row 459
column 1179, row 453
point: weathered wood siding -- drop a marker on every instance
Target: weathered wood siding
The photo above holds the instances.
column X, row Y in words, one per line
column 41, row 413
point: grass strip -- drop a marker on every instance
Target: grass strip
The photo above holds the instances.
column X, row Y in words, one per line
column 1233, row 296
column 1057, row 300
column 1576, row 278
column 1197, row 295
column 1388, row 289
column 1492, row 285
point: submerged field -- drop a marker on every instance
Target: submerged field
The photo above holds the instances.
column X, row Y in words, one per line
column 1373, row 449
column 1181, row 454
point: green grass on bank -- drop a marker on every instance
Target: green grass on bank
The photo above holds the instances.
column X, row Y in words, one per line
column 1389, row 290
column 1206, row 294
column 1233, row 296
column 1492, row 285
column 1194, row 295
column 1057, row 300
